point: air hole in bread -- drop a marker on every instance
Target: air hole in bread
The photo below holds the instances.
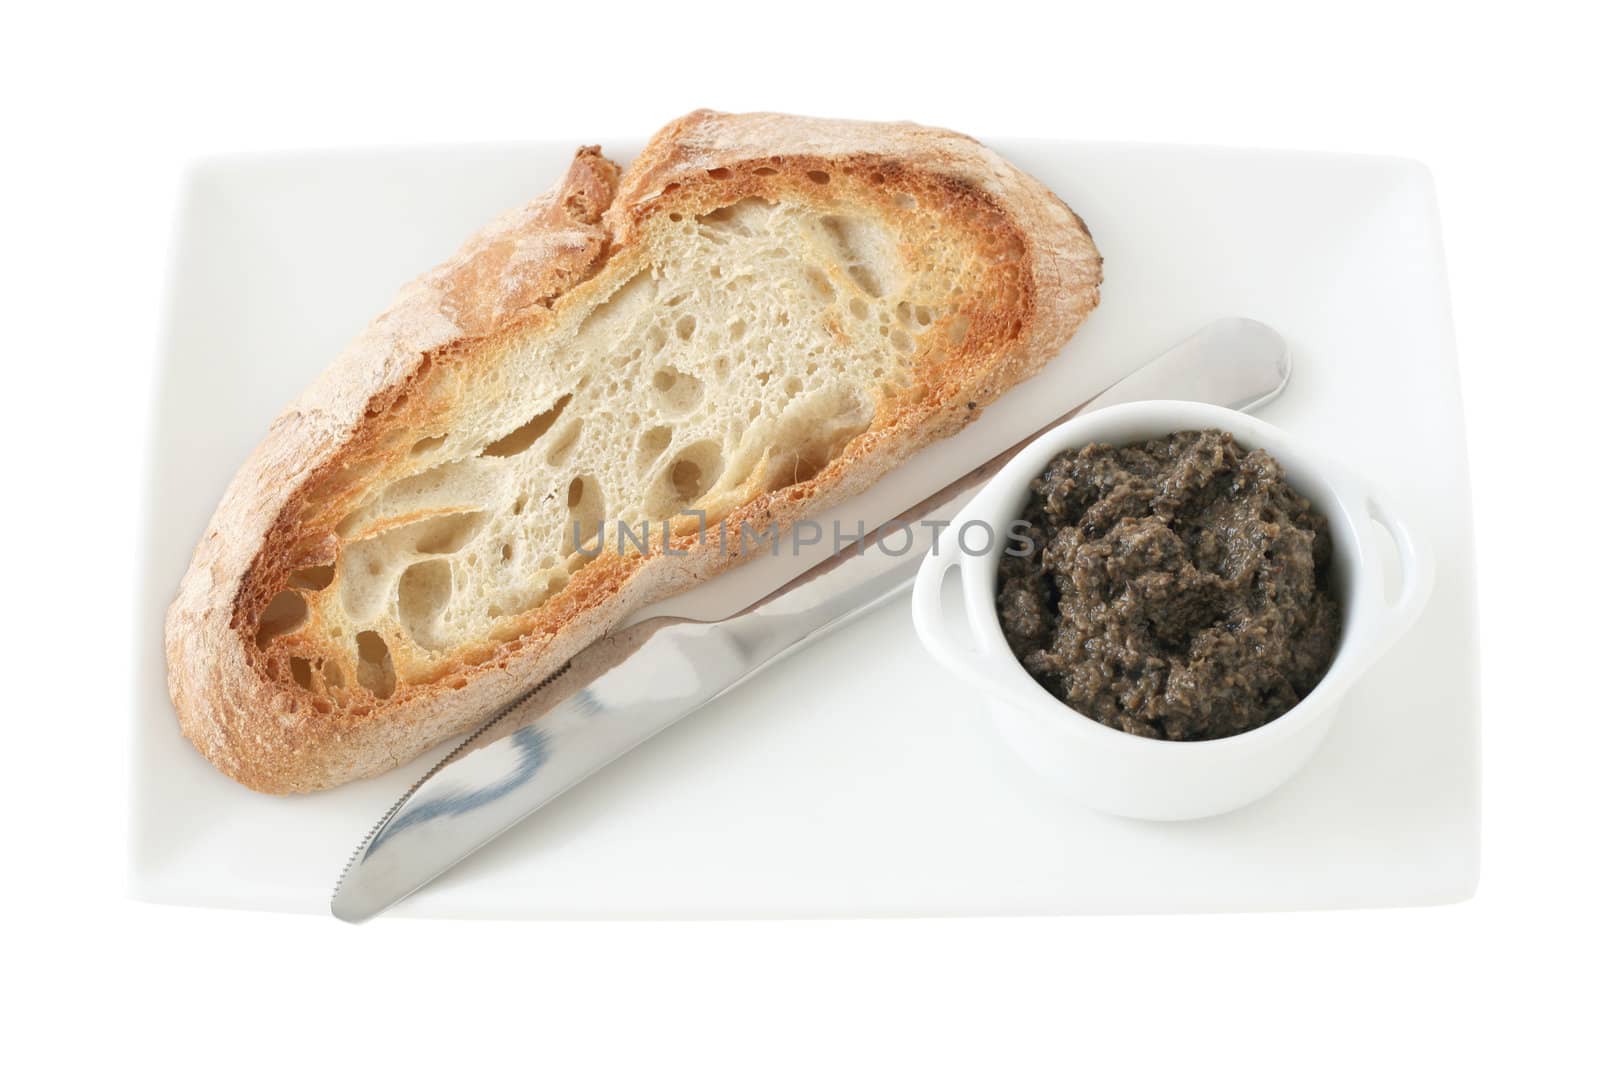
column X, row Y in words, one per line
column 351, row 523
column 792, row 467
column 687, row 479
column 900, row 339
column 629, row 303
column 813, row 431
column 424, row 593
column 435, row 489
column 809, row 457
column 685, row 327
column 720, row 173
column 312, row 578
column 586, row 509
column 866, row 251
column 525, row 436
column 368, row 567
column 820, row 285
column 842, row 233
column 744, row 218
column 818, row 176
column 300, row 671
column 682, row 394
column 285, row 614
column 693, row 472
column 374, row 665
column 765, row 172
column 807, row 465
column 652, row 443
column 428, row 444
column 866, row 279
column 332, row 675
column 442, row 534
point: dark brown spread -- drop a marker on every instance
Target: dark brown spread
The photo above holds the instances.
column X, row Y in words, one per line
column 1176, row 588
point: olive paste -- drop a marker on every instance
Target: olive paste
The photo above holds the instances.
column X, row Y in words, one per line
column 1176, row 588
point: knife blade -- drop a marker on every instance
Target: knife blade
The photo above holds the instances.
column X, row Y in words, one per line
column 631, row 684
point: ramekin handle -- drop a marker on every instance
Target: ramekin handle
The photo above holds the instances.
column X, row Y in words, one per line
column 928, row 615
column 1416, row 569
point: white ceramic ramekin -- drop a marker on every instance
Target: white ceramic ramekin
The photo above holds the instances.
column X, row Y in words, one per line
column 1141, row 777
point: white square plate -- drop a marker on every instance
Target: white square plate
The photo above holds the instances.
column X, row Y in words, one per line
column 859, row 778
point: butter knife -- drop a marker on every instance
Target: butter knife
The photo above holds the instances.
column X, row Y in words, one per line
column 639, row 680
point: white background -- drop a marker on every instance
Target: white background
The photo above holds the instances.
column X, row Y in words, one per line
column 105, row 107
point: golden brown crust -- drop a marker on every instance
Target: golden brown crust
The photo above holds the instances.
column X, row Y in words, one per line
column 506, row 283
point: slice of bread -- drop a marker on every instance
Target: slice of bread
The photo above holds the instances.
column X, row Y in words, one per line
column 758, row 318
